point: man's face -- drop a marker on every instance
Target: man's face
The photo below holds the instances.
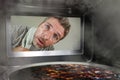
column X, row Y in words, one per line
column 48, row 33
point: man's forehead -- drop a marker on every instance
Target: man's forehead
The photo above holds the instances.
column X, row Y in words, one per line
column 54, row 22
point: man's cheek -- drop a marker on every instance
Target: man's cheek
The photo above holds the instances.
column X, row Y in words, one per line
column 38, row 35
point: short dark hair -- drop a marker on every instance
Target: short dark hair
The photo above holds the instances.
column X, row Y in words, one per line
column 64, row 22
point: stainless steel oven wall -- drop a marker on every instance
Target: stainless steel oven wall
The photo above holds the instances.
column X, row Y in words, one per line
column 3, row 51
column 2, row 38
column 107, row 33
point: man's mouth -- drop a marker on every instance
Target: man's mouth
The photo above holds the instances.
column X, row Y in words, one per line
column 40, row 42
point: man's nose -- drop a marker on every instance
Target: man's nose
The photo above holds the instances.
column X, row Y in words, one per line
column 47, row 35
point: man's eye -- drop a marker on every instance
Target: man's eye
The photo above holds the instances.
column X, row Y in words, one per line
column 55, row 36
column 47, row 27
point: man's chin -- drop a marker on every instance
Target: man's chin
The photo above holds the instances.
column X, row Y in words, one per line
column 37, row 46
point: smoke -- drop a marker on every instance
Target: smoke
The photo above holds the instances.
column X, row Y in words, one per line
column 106, row 33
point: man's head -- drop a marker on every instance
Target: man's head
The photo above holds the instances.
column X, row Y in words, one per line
column 51, row 31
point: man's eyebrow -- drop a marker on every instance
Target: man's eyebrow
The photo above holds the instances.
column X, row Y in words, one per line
column 49, row 24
